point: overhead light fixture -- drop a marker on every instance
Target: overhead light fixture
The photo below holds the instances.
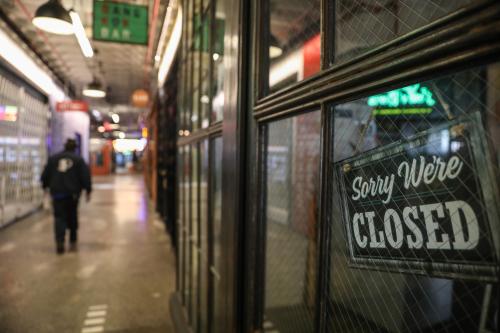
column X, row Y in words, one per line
column 94, row 89
column 96, row 114
column 80, row 34
column 116, row 118
column 54, row 18
column 275, row 52
column 274, row 48
column 205, row 99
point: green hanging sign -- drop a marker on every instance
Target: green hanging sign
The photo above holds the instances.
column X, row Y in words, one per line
column 120, row 22
column 407, row 97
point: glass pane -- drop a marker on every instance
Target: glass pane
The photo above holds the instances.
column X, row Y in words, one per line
column 180, row 102
column 187, row 226
column 196, row 54
column 204, row 259
column 194, row 232
column 294, row 41
column 205, row 71
column 381, row 298
column 180, row 220
column 292, row 185
column 360, row 25
column 218, row 61
column 216, row 213
column 206, row 4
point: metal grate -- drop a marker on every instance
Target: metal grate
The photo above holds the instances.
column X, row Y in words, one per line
column 292, row 182
column 397, row 287
column 361, row 25
column 23, row 151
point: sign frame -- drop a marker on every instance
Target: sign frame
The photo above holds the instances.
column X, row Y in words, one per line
column 146, row 42
column 480, row 154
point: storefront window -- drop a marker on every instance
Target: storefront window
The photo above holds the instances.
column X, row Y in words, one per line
column 292, row 183
column 383, row 293
column 294, row 41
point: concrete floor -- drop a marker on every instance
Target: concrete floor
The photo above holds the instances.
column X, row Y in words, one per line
column 124, row 268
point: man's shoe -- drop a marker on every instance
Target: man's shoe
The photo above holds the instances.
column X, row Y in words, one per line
column 60, row 248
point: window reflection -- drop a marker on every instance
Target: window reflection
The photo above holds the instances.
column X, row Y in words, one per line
column 291, row 215
column 294, row 41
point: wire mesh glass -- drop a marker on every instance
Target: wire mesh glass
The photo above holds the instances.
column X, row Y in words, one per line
column 384, row 297
column 294, row 41
column 361, row 25
column 292, row 183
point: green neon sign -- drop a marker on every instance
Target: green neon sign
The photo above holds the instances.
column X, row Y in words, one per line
column 414, row 95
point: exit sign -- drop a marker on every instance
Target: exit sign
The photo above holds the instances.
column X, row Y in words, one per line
column 120, row 22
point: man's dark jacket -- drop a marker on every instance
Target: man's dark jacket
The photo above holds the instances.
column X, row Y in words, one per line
column 66, row 174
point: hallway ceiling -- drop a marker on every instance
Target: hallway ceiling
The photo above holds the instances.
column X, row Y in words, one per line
column 120, row 67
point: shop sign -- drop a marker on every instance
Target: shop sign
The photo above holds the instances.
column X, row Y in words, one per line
column 120, row 22
column 426, row 205
column 140, row 98
column 72, row 106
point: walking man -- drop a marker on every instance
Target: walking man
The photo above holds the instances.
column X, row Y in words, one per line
column 66, row 175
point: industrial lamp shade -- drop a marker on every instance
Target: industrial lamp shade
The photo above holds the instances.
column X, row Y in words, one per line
column 94, row 89
column 275, row 49
column 53, row 18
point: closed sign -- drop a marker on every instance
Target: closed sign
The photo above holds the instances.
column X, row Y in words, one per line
column 427, row 204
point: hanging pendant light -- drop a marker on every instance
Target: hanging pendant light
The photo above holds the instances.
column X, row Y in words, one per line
column 94, row 89
column 275, row 49
column 53, row 18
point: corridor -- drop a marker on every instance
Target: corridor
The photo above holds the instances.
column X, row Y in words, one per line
column 119, row 280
